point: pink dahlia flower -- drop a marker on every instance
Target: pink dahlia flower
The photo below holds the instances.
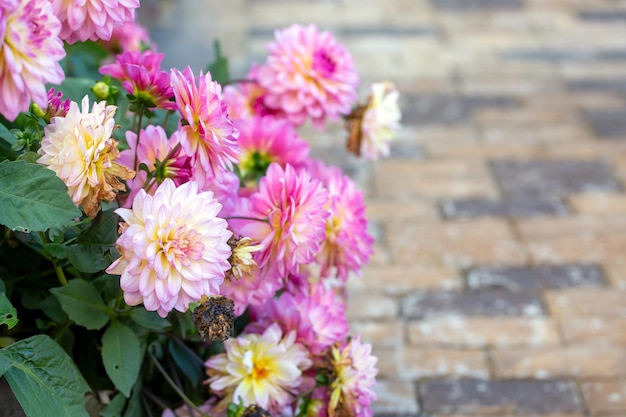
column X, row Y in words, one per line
column 131, row 36
column 308, row 73
column 263, row 140
column 173, row 248
column 354, row 371
column 30, row 51
column 246, row 99
column 92, row 19
column 80, row 150
column 252, row 289
column 318, row 317
column 263, row 369
column 149, row 60
column 208, row 135
column 153, row 149
column 295, row 226
column 347, row 246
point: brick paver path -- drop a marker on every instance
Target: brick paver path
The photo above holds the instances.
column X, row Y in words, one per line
column 498, row 287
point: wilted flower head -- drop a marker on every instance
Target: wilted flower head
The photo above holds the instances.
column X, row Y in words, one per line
column 353, row 376
column 173, row 248
column 263, row 140
column 214, row 318
column 308, row 73
column 92, row 19
column 30, row 51
column 241, row 260
column 347, row 246
column 160, row 155
column 207, row 133
column 80, row 150
column 291, row 225
column 263, row 369
column 371, row 127
column 318, row 317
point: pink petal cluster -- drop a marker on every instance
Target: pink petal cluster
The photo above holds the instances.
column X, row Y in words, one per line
column 347, row 246
column 131, row 36
column 308, row 74
column 207, row 134
column 30, row 51
column 318, row 317
column 154, row 147
column 142, row 77
column 263, row 140
column 173, row 248
column 292, row 226
column 246, row 99
column 253, row 289
column 355, row 376
column 92, row 19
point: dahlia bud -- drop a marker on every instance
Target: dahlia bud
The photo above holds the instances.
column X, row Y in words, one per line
column 101, row 90
column 215, row 318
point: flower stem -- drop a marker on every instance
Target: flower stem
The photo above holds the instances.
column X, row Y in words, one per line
column 138, row 137
column 178, row 391
column 59, row 271
column 246, row 218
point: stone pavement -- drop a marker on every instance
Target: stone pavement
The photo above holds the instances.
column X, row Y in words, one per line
column 498, row 287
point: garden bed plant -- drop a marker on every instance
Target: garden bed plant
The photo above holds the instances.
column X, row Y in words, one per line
column 169, row 246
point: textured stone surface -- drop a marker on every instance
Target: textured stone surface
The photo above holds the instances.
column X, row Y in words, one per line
column 476, row 5
column 554, row 178
column 535, row 277
column 608, row 124
column 473, row 303
column 467, row 209
column 500, row 397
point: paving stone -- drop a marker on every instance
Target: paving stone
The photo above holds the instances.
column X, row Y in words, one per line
column 395, row 398
column 603, row 16
column 403, row 279
column 396, row 209
column 553, row 178
column 456, row 244
column 602, row 331
column 371, row 306
column 471, row 208
column 472, row 303
column 561, row 362
column 449, row 109
column 386, row 333
column 607, row 124
column 419, row 363
column 500, row 397
column 586, row 302
column 476, row 332
column 597, row 203
column 602, row 85
column 603, row 396
column 476, row 5
column 535, row 277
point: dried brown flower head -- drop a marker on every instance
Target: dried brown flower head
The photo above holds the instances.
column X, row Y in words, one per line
column 215, row 318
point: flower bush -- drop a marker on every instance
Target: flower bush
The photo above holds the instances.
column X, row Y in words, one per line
column 168, row 245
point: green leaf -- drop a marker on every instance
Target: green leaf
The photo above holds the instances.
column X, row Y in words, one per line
column 33, row 198
column 121, row 355
column 85, row 59
column 30, row 157
column 134, row 402
column 8, row 314
column 7, row 135
column 219, row 67
column 43, row 378
column 115, row 407
column 94, row 249
column 83, row 304
column 149, row 319
column 186, row 362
